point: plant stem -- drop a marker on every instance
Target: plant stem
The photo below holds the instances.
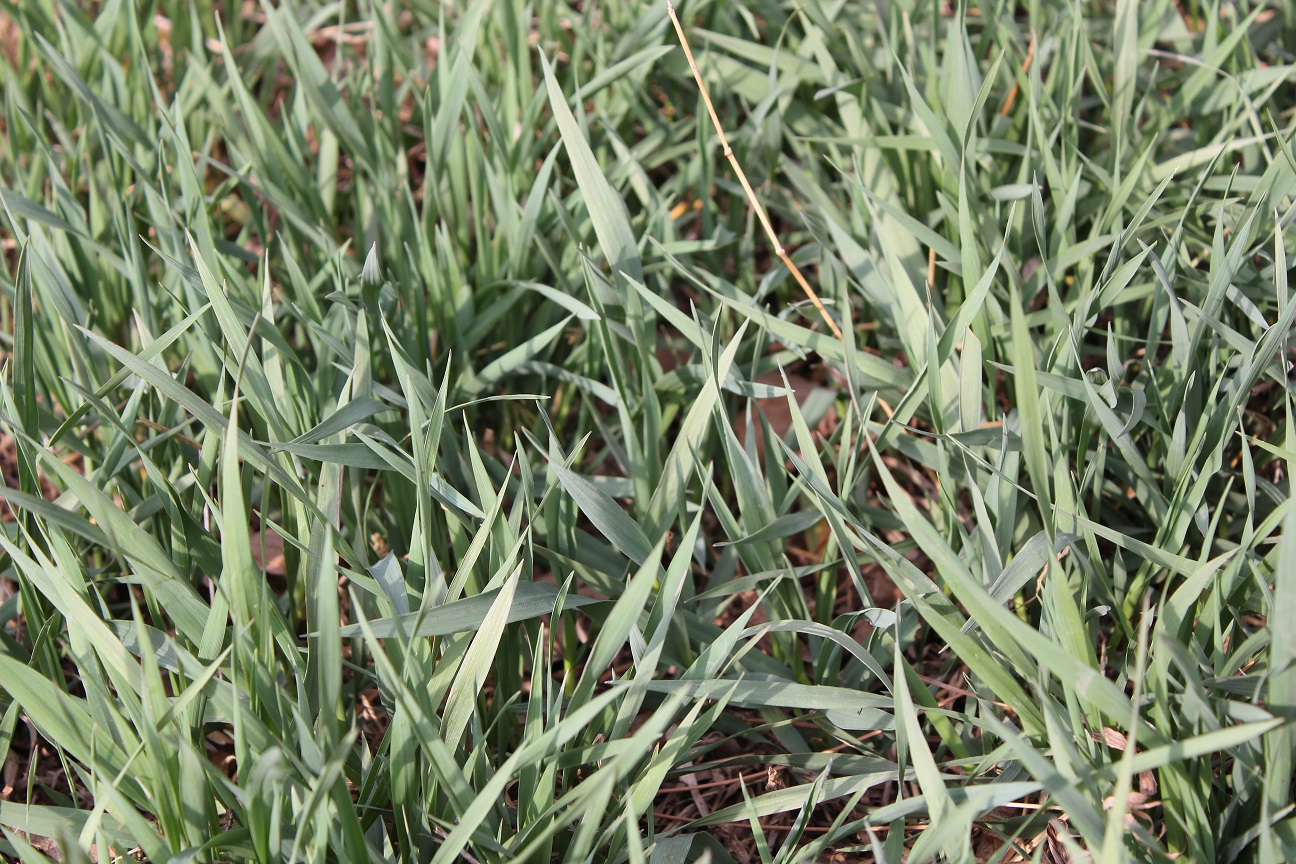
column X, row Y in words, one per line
column 742, row 178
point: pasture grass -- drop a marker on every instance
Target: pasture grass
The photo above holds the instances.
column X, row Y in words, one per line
column 415, row 448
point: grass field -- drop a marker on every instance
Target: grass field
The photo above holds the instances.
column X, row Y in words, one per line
column 416, row 450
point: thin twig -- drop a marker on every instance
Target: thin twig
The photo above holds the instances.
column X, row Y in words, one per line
column 742, row 178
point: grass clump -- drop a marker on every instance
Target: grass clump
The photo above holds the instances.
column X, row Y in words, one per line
column 414, row 450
